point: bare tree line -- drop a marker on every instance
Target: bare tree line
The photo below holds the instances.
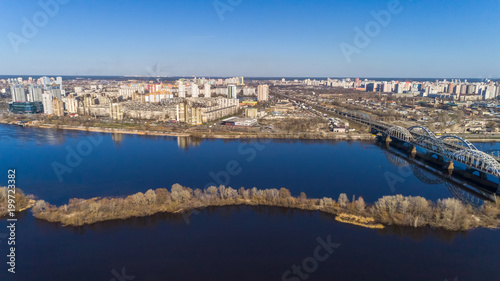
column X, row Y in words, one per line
column 450, row 214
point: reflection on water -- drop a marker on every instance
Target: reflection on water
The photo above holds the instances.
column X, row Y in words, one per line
column 186, row 142
column 117, row 138
column 19, row 135
column 470, row 194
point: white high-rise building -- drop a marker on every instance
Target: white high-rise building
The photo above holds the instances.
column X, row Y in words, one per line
column 45, row 81
column 182, row 90
column 18, row 93
column 71, row 104
column 231, row 92
column 386, row 87
column 195, row 91
column 399, row 88
column 490, row 92
column 56, row 92
column 263, row 93
column 47, row 103
column 206, row 91
column 35, row 93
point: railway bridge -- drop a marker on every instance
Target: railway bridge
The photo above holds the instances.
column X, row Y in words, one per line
column 449, row 148
column 452, row 150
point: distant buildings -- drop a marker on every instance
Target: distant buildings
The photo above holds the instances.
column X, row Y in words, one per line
column 239, row 81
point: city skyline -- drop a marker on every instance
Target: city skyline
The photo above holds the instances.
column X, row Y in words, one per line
column 252, row 39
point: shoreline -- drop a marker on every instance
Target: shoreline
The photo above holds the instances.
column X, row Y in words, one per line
column 209, row 135
column 236, row 135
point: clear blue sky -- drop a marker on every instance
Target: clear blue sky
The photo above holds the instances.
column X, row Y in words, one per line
column 428, row 38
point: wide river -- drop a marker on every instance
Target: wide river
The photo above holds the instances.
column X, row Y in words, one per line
column 230, row 243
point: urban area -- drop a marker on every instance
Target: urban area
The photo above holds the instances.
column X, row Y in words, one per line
column 238, row 105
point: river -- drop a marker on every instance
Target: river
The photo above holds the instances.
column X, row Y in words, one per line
column 229, row 243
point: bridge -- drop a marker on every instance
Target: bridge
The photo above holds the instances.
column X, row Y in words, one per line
column 468, row 194
column 449, row 149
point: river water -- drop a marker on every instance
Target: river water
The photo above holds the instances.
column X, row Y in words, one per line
column 230, row 243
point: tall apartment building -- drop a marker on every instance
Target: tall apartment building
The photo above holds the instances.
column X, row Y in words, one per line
column 18, row 93
column 116, row 111
column 57, row 107
column 35, row 93
column 231, row 92
column 55, row 91
column 207, row 92
column 263, row 93
column 182, row 90
column 47, row 103
column 71, row 104
column 195, row 91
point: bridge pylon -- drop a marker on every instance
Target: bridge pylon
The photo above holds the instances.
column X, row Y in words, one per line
column 413, row 151
column 450, row 166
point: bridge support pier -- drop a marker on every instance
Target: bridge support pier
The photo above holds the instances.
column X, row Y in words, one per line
column 388, row 139
column 450, row 167
column 413, row 151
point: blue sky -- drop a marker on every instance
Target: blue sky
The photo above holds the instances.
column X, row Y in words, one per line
column 428, row 38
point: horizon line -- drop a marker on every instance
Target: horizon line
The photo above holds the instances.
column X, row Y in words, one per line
column 276, row 77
